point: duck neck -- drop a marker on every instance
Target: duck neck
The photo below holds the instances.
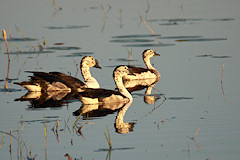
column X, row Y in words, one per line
column 85, row 69
column 119, row 83
column 148, row 63
column 149, row 66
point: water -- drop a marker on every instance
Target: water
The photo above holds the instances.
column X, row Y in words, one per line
column 199, row 39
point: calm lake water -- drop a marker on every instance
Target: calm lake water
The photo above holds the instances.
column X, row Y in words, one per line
column 197, row 39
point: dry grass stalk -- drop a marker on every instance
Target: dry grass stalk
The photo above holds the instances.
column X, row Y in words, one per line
column 79, row 130
column 222, row 83
column 160, row 92
column 18, row 30
column 196, row 143
column 10, row 146
column 2, row 140
column 67, row 155
column 66, row 124
column 155, row 109
column 196, row 133
column 109, row 6
column 5, row 38
column 40, row 47
column 74, row 124
column 29, row 154
column 76, row 67
column 6, row 83
column 57, row 8
column 130, row 56
column 19, row 154
column 108, row 138
column 45, row 135
column 121, row 19
column 149, row 28
column 148, row 6
column 105, row 13
column 55, row 129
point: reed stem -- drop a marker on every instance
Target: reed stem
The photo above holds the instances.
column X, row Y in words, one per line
column 222, row 83
column 150, row 29
column 5, row 38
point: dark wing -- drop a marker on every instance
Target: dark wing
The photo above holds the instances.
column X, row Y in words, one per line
column 138, row 70
column 98, row 93
column 34, row 81
column 74, row 82
column 51, row 77
column 45, row 76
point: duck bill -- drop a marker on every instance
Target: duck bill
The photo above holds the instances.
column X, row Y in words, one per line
column 97, row 66
column 155, row 54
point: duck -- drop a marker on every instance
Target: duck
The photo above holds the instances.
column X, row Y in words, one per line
column 57, row 81
column 104, row 96
column 144, row 73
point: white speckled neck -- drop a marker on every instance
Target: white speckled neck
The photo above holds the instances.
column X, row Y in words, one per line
column 149, row 65
column 85, row 69
column 119, row 83
column 90, row 81
column 148, row 62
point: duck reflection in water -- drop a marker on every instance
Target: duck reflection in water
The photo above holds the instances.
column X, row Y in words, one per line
column 137, row 85
column 47, row 99
column 99, row 110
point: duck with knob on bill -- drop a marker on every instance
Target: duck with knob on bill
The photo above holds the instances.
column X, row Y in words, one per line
column 91, row 95
column 144, row 73
column 57, row 81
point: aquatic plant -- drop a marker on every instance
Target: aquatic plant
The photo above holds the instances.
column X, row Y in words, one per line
column 107, row 136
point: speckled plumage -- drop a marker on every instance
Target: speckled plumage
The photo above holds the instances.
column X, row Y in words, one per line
column 144, row 73
column 57, row 81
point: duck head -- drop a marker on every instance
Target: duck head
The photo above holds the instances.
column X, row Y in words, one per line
column 121, row 71
column 90, row 62
column 149, row 53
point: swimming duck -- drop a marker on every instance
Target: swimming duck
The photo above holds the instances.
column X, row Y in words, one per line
column 55, row 81
column 144, row 73
column 91, row 95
